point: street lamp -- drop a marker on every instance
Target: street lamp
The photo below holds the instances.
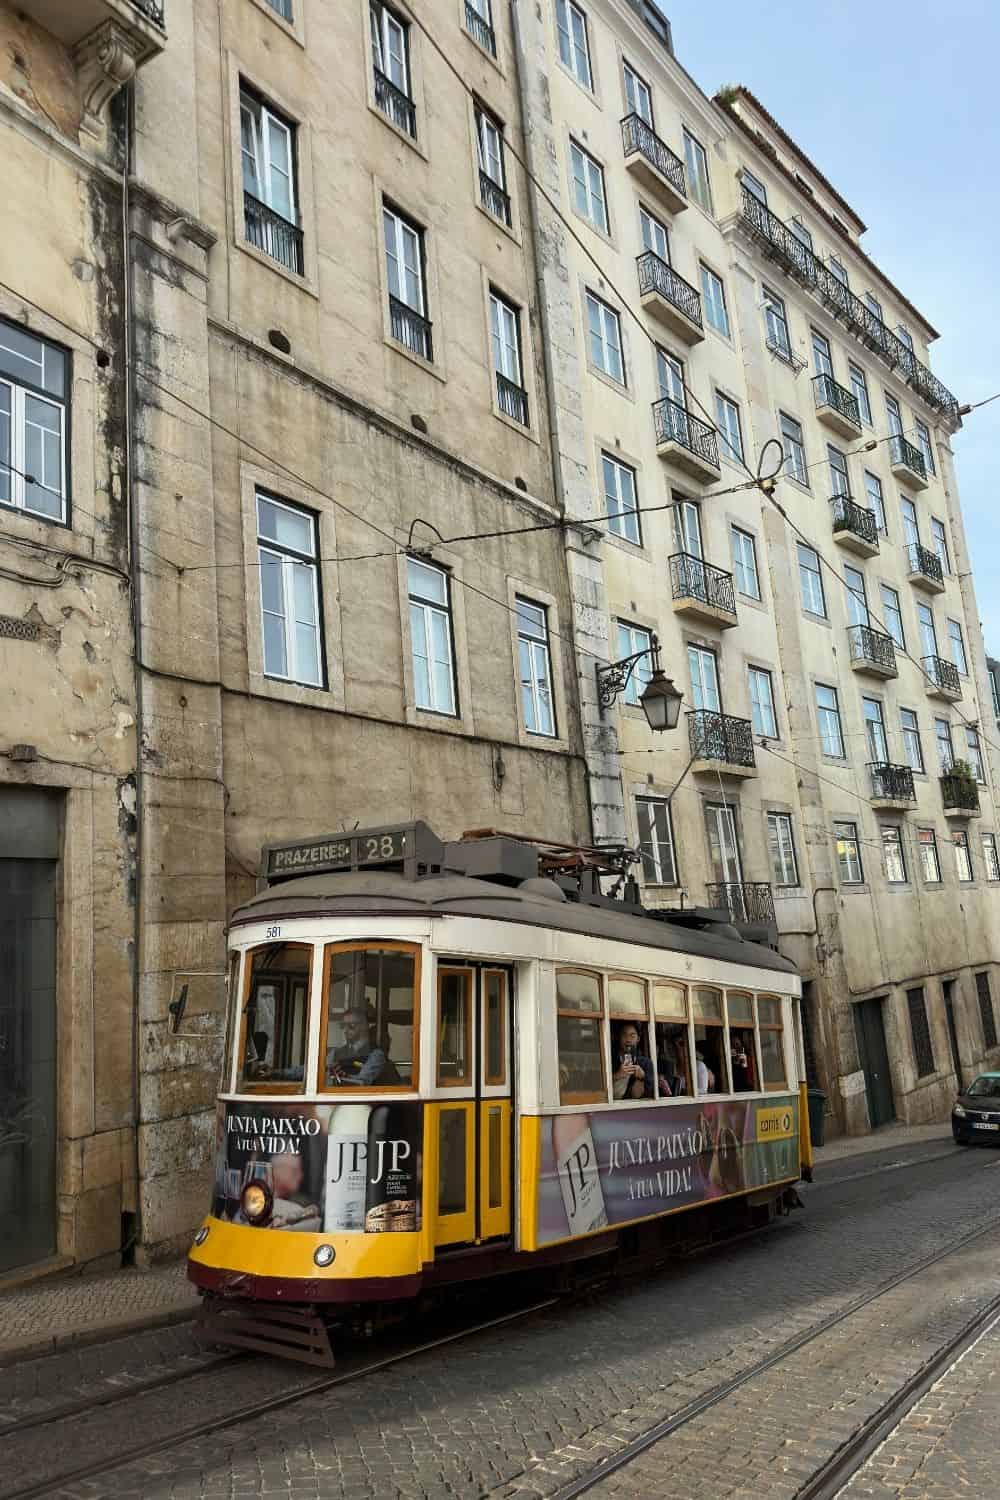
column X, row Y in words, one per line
column 660, row 700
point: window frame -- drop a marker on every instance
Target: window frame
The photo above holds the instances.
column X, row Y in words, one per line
column 627, row 72
column 643, row 670
column 944, row 740
column 269, row 1086
column 447, row 609
column 956, row 645
column 642, row 1024
column 600, row 1017
column 609, row 318
column 753, row 673
column 746, row 540
column 465, row 1079
column 713, row 296
column 591, row 169
column 569, row 9
column 852, row 839
column 289, row 557
column 794, row 447
column 974, row 753
column 699, row 179
column 776, row 318
column 384, row 15
column 772, row 1026
column 534, row 641
column 960, row 839
column 754, row 186
column 822, row 710
column 876, row 499
column 892, row 611
column 837, row 460
column 891, row 835
column 262, row 115
column 991, row 857
column 940, row 544
column 925, row 445
column 725, row 406
column 774, row 848
column 814, row 573
column 924, row 844
column 920, row 1034
column 618, row 522
column 355, row 945
column 655, row 842
column 501, row 308
column 859, row 385
column 908, row 730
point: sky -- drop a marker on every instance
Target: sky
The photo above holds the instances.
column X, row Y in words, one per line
column 897, row 105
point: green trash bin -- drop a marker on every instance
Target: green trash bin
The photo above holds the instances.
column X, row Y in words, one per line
column 817, row 1115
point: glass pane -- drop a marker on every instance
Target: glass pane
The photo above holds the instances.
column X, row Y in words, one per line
column 496, row 1028
column 23, row 356
column 5, row 477
column 740, row 1008
column 711, row 1073
column 772, row 1058
column 454, row 1020
column 279, row 146
column 275, row 1017
column 275, row 651
column 451, row 1165
column 576, row 991
column 304, row 593
column 494, row 1175
column 426, row 583
column 421, row 665
column 769, row 1011
column 581, row 1059
column 626, row 997
column 369, row 1029
column 672, row 1068
column 271, row 578
column 670, row 1002
column 279, row 524
column 307, row 653
column 444, row 690
column 708, row 1004
column 743, row 1058
column 631, row 1065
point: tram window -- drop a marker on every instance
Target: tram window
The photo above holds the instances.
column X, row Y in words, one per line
column 370, row 1028
column 632, row 1072
column 454, row 1033
column 772, row 1051
column 275, row 1021
column 711, row 1072
column 233, row 1009
column 496, row 1027
column 451, row 1161
column 580, row 1032
column 673, row 1068
column 742, row 1042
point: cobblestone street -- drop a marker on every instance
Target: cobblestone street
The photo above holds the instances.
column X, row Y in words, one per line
column 527, row 1408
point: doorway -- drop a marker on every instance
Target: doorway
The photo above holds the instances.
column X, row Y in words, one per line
column 948, row 991
column 869, row 1028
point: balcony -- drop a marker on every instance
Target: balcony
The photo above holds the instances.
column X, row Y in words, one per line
column 907, row 463
column 892, row 787
column 854, row 526
column 512, row 400
column 493, row 198
column 653, row 163
column 702, row 592
column 959, row 797
column 274, row 235
column 685, row 441
column 872, row 653
column 669, row 298
column 777, row 242
column 749, row 903
column 925, row 568
column 410, row 328
column 107, row 40
column 837, row 407
column 395, row 105
column 942, row 680
column 480, row 29
column 721, row 744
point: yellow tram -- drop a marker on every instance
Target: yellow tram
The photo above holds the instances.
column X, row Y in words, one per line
column 448, row 1061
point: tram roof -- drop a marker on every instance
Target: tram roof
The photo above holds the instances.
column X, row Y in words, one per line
column 381, row 894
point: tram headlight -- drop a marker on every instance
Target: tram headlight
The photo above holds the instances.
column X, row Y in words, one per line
column 324, row 1255
column 202, row 1235
column 256, row 1202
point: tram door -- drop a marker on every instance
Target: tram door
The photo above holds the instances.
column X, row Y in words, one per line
column 474, row 1158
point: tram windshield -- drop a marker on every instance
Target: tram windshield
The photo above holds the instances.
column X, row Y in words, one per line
column 370, row 1027
column 275, row 1020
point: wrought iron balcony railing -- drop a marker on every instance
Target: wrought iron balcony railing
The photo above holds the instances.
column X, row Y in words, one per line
column 395, row 105
column 478, row 27
column 656, row 276
column 745, row 902
column 828, row 393
column 849, row 516
column 638, row 136
column 892, row 783
column 495, row 200
column 273, row 234
column 956, row 791
column 902, row 452
column 923, row 561
column 512, row 400
column 722, row 737
column 675, row 425
column 943, row 674
column 872, row 645
column 152, row 10
column 691, row 578
column 410, row 328
column 778, row 241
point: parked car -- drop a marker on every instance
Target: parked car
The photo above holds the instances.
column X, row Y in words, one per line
column 975, row 1114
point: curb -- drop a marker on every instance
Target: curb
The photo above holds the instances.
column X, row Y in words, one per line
column 93, row 1333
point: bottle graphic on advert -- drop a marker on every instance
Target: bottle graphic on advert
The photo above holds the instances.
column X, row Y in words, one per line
column 579, row 1178
column 391, row 1195
column 346, row 1167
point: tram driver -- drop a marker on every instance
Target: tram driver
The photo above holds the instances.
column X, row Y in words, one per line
column 359, row 1060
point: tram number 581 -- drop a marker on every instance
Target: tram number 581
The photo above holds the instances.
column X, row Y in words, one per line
column 272, row 932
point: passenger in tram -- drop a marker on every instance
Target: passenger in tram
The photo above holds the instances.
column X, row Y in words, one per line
column 703, row 1073
column 741, row 1064
column 671, row 1059
column 632, row 1073
column 359, row 1061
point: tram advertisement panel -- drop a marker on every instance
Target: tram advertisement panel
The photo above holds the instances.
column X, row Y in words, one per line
column 326, row 1167
column 617, row 1165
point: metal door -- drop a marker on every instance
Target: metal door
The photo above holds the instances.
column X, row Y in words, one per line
column 870, row 1032
column 948, row 991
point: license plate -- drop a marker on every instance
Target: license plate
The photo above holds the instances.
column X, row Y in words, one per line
column 982, row 1125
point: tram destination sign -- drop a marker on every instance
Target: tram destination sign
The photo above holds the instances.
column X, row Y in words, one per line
column 407, row 846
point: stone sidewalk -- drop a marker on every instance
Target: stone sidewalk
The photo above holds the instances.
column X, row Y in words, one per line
column 888, row 1138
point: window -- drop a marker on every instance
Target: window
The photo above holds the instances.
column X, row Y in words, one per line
column 942, row 735
column 670, row 379
column 957, row 647
column 895, row 419
column 994, row 691
column 859, row 385
column 479, row 24
column 404, row 266
column 924, row 444
column 535, row 666
column 370, row 1027
column 963, row 858
column 828, row 717
column 762, row 714
column 793, row 448
column 822, row 358
column 711, row 1073
column 912, row 748
column 923, row 1052
column 588, row 187
column 772, row 1047
column 745, row 563
column 874, row 305
column 930, row 864
column 571, row 24
column 632, row 1071
column 289, row 592
column 838, row 270
column 686, row 526
column 928, row 634
column 34, row 406
column 974, row 754
column 714, row 294
column 781, row 846
column 939, row 541
column 492, row 166
column 505, row 339
column 875, row 730
column 990, row 858
column 892, row 853
column 654, row 234
column 776, row 321
column 727, row 416
column 857, row 600
column 605, row 338
column 656, row 840
column 911, row 531
column 754, row 185
column 282, row 7
column 838, row 471
column 742, row 1042
column 905, row 336
column 638, row 99
column 801, row 233
column 631, row 640
column 876, row 503
column 454, row 1028
column 431, row 637
column 892, row 615
column 849, row 853
column 275, row 1016
column 670, row 1008
column 986, row 1011
column 810, row 581
column 391, row 55
column 267, row 147
column 696, row 161
column 580, row 1034
column 621, row 501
